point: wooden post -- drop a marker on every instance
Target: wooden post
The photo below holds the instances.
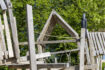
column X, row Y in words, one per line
column 31, row 38
column 14, row 33
column 82, row 45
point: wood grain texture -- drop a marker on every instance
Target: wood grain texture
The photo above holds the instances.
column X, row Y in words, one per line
column 82, row 46
column 31, row 38
column 8, row 37
column 3, row 39
column 13, row 29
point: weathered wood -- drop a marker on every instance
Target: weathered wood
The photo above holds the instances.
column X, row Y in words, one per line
column 100, row 41
column 98, row 44
column 43, row 55
column 3, row 39
column 87, row 53
column 82, row 46
column 3, row 5
column 8, row 37
column 49, row 42
column 31, row 38
column 91, row 51
column 91, row 44
column 65, row 51
column 95, row 45
column 45, row 65
column 1, row 50
column 13, row 29
column 64, row 24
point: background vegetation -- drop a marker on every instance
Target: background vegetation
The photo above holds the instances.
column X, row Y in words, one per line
column 70, row 10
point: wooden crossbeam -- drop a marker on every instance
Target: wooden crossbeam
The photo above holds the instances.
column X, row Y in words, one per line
column 65, row 51
column 43, row 65
column 49, row 42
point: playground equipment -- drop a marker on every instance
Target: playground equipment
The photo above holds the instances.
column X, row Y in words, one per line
column 91, row 45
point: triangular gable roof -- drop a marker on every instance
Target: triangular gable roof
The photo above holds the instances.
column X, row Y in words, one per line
column 52, row 20
column 3, row 5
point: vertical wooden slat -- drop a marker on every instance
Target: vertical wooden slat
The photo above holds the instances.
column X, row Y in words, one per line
column 13, row 29
column 98, row 44
column 1, row 51
column 92, row 42
column 31, row 38
column 100, row 41
column 95, row 45
column 82, row 45
column 87, row 53
column 8, row 37
column 91, row 50
column 103, row 40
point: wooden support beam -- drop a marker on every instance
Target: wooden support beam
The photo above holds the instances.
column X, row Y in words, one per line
column 65, row 25
column 13, row 29
column 82, row 46
column 3, row 39
column 49, row 42
column 65, row 51
column 3, row 5
column 8, row 37
column 1, row 50
column 31, row 38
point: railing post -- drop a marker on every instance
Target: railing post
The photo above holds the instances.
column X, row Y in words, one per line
column 31, row 38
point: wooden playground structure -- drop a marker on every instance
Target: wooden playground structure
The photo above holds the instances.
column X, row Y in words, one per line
column 91, row 45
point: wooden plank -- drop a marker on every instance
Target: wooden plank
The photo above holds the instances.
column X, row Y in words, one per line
column 45, row 65
column 92, row 46
column 95, row 45
column 82, row 45
column 43, row 55
column 13, row 29
column 8, row 37
column 92, row 53
column 100, row 41
column 65, row 51
column 87, row 53
column 1, row 51
column 3, row 5
column 31, row 38
column 3, row 39
column 49, row 42
column 103, row 38
column 98, row 44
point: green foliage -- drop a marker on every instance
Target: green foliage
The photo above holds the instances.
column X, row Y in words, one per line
column 103, row 65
